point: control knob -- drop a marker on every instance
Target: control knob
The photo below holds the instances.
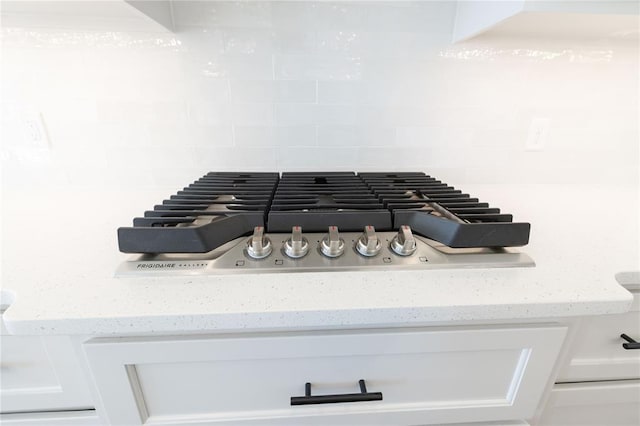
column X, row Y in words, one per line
column 368, row 244
column 259, row 246
column 404, row 243
column 296, row 246
column 332, row 245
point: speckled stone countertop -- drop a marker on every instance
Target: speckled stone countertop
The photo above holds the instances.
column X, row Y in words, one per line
column 58, row 272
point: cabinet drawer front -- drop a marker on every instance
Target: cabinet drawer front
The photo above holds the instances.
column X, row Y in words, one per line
column 425, row 376
column 593, row 404
column 597, row 352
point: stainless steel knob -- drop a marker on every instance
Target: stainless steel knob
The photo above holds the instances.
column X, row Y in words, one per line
column 296, row 246
column 368, row 244
column 332, row 245
column 259, row 246
column 404, row 243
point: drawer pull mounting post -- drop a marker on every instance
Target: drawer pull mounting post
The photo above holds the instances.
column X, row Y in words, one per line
column 632, row 343
column 337, row 398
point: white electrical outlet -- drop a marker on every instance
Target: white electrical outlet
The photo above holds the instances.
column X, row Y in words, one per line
column 35, row 134
column 538, row 132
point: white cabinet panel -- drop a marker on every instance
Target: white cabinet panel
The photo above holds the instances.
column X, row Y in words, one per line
column 594, row 404
column 40, row 373
column 426, row 376
column 25, row 364
column 597, row 352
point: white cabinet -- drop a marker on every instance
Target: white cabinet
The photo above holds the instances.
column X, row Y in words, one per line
column 600, row 383
column 424, row 376
column 41, row 381
column 593, row 19
column 128, row 15
column 597, row 352
column 41, row 373
column 594, row 404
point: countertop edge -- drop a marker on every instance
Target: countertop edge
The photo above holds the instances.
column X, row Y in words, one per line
column 316, row 319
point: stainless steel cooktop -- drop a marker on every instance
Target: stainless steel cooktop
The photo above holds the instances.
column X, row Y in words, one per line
column 317, row 252
column 228, row 222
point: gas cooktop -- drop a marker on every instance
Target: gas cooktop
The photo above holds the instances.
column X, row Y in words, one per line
column 320, row 221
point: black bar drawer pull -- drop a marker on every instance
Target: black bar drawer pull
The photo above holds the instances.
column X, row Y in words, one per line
column 632, row 343
column 332, row 399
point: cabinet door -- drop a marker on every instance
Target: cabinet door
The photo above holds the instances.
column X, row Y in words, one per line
column 424, row 376
column 597, row 352
column 40, row 373
column 593, row 404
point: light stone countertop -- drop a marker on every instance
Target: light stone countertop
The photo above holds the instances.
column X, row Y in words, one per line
column 60, row 254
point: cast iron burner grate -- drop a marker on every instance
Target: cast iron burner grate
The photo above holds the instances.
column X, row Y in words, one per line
column 215, row 209
column 220, row 207
column 440, row 212
column 316, row 201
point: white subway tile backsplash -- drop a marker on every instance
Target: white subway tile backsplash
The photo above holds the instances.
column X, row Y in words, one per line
column 215, row 14
column 165, row 137
column 392, row 93
column 338, row 16
column 338, row 92
column 248, row 41
column 316, row 67
column 314, row 85
column 345, row 135
column 169, row 112
column 199, row 136
column 421, row 137
column 292, row 16
column 200, row 42
column 339, row 136
column 306, row 114
column 392, row 158
column 274, row 91
column 316, row 158
column 291, row 41
column 275, row 136
column 241, row 14
column 295, row 115
column 391, row 116
column 336, row 114
column 203, row 88
column 247, row 67
column 258, row 67
column 209, row 112
column 344, row 42
column 155, row 90
column 249, row 113
column 226, row 158
column 398, row 69
column 121, row 138
column 402, row 45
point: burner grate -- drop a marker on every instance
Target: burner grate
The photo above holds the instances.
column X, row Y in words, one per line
column 213, row 210
column 440, row 212
column 316, row 201
column 220, row 207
